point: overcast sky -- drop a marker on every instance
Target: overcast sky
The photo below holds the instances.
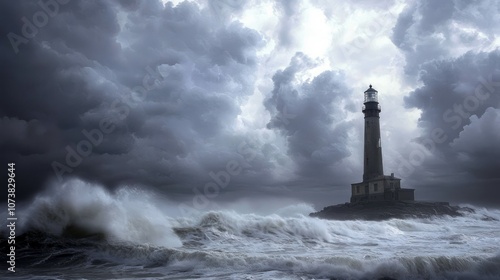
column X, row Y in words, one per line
column 161, row 95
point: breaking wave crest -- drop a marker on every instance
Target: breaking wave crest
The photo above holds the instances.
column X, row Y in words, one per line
column 79, row 209
column 278, row 228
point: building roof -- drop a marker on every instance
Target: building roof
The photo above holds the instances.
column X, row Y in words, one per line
column 370, row 89
column 382, row 177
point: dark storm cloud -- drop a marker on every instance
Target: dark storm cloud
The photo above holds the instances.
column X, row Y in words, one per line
column 459, row 97
column 155, row 89
column 311, row 115
column 455, row 89
column 480, row 155
column 460, row 103
column 429, row 30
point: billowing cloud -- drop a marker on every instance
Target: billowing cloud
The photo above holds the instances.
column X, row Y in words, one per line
column 430, row 30
column 451, row 52
column 172, row 95
column 479, row 155
column 311, row 116
column 124, row 93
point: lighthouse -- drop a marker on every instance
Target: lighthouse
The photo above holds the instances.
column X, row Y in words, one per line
column 373, row 166
column 376, row 185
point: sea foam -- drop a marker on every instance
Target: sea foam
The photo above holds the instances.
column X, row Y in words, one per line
column 78, row 207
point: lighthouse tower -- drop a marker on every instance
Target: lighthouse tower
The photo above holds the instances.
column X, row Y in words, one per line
column 376, row 185
column 373, row 149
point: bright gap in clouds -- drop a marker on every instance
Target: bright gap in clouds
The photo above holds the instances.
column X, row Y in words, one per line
column 175, row 2
column 354, row 40
column 358, row 40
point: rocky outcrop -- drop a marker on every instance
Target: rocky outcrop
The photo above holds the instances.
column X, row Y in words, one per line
column 384, row 210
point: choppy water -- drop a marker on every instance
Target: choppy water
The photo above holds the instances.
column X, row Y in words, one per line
column 135, row 237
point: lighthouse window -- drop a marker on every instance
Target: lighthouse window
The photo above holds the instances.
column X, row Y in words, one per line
column 375, row 187
column 371, row 97
column 357, row 189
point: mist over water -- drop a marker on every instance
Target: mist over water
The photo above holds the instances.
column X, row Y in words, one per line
column 77, row 229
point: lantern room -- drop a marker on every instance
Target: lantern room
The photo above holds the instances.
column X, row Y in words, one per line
column 371, row 95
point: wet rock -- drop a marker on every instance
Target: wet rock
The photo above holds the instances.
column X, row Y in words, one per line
column 385, row 210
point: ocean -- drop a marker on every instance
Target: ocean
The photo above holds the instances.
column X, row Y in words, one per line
column 82, row 231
